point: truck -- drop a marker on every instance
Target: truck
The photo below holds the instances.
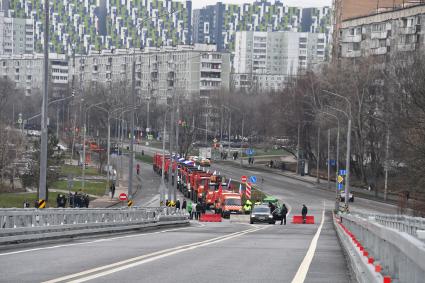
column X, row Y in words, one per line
column 229, row 203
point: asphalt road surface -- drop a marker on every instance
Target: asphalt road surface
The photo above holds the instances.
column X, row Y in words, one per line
column 224, row 252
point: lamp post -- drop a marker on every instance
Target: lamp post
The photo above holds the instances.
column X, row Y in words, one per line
column 337, row 156
column 84, row 143
column 348, row 157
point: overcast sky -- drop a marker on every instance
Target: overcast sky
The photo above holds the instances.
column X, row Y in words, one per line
column 298, row 3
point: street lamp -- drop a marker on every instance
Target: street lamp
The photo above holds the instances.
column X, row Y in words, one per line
column 84, row 143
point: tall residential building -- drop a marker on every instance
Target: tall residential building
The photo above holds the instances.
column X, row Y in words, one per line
column 267, row 60
column 25, row 70
column 218, row 24
column 94, row 25
column 383, row 35
column 189, row 71
column 16, row 35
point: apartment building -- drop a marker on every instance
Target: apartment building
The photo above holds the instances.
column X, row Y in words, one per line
column 267, row 60
column 188, row 70
column 16, row 35
column 26, row 71
column 384, row 34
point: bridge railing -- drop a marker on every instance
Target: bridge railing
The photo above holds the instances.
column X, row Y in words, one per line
column 392, row 241
column 17, row 225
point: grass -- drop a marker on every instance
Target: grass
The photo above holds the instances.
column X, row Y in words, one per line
column 144, row 158
column 90, row 187
column 9, row 200
column 77, row 171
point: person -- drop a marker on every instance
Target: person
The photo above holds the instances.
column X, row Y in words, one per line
column 86, row 200
column 272, row 207
column 198, row 210
column 189, row 209
column 178, row 205
column 283, row 211
column 184, row 204
column 194, row 213
column 247, row 207
column 61, row 200
column 77, row 200
column 304, row 212
column 26, row 204
column 138, row 168
column 113, row 190
column 71, row 200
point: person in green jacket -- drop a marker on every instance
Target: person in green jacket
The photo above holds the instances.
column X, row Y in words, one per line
column 247, row 207
column 189, row 209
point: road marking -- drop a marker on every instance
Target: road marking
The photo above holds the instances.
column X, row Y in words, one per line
column 305, row 264
column 95, row 241
column 132, row 262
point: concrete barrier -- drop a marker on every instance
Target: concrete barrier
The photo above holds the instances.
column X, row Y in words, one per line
column 401, row 256
column 239, row 218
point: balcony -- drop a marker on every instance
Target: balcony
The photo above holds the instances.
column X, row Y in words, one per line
column 379, row 35
column 406, row 47
column 352, row 38
column 408, row 30
column 352, row 54
column 379, row 51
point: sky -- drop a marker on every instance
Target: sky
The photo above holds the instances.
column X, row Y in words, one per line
column 298, row 3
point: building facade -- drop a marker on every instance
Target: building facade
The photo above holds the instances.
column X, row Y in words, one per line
column 384, row 34
column 268, row 60
column 218, row 24
column 26, row 71
column 188, row 71
column 16, row 35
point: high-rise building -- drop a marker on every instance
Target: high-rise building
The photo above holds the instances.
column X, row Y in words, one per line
column 267, row 60
column 383, row 35
column 190, row 71
column 219, row 23
column 16, row 35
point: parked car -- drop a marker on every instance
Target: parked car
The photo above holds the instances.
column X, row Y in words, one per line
column 261, row 213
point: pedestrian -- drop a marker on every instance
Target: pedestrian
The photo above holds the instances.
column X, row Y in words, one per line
column 283, row 211
column 26, row 204
column 198, row 210
column 86, row 200
column 138, row 168
column 194, row 214
column 113, row 190
column 189, row 209
column 177, row 205
column 184, row 204
column 71, row 200
column 304, row 213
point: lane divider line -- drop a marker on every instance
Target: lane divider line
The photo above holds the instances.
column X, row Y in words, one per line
column 125, row 264
column 91, row 242
column 305, row 264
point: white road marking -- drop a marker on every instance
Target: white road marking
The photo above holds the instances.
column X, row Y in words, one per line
column 95, row 241
column 132, row 262
column 305, row 264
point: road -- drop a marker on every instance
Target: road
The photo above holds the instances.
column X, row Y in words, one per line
column 225, row 252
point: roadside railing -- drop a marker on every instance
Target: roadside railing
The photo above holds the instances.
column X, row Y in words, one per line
column 392, row 241
column 30, row 224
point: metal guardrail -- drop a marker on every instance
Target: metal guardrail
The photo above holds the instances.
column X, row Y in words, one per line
column 401, row 223
column 401, row 255
column 18, row 225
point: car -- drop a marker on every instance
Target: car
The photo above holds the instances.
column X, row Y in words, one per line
column 205, row 162
column 342, row 197
column 261, row 213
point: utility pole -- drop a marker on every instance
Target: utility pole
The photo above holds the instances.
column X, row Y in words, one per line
column 43, row 194
column 318, row 155
column 131, row 156
column 162, row 185
column 329, row 158
column 298, row 149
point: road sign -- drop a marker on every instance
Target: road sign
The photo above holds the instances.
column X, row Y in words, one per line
column 248, row 190
column 123, row 196
column 249, row 151
column 340, row 179
column 130, row 203
column 244, row 179
column 340, row 186
column 253, row 179
column 333, row 162
column 342, row 172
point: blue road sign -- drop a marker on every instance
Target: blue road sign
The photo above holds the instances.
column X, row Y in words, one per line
column 253, row 179
column 333, row 162
column 340, row 186
column 342, row 172
column 250, row 151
